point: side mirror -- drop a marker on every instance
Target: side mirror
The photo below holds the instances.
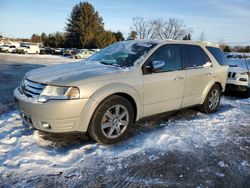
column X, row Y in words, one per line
column 207, row 65
column 157, row 65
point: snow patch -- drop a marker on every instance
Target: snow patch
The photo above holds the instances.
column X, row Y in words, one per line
column 25, row 151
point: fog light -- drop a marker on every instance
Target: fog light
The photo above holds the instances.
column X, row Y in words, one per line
column 45, row 125
column 243, row 79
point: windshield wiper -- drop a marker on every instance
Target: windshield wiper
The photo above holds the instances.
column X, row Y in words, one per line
column 105, row 63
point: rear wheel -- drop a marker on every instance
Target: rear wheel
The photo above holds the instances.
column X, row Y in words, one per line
column 112, row 120
column 212, row 101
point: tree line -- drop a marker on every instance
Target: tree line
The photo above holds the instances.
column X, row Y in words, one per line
column 85, row 29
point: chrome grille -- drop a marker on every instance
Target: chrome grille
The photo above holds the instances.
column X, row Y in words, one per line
column 30, row 88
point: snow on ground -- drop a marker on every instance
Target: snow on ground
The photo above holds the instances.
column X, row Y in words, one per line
column 12, row 70
column 35, row 58
column 28, row 157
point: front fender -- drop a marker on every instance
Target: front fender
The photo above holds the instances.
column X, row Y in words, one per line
column 114, row 88
column 107, row 90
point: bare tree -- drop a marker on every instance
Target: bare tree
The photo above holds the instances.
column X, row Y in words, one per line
column 144, row 29
column 160, row 29
column 174, row 29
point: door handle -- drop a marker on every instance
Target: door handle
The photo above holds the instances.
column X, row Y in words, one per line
column 209, row 73
column 178, row 78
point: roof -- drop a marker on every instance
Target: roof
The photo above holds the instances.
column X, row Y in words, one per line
column 201, row 43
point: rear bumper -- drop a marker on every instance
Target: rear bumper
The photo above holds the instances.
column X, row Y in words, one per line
column 61, row 115
column 239, row 88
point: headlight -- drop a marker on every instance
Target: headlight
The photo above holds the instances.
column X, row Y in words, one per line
column 245, row 73
column 59, row 92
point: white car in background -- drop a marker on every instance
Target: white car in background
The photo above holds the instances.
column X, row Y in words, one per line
column 8, row 48
column 238, row 75
column 83, row 54
column 4, row 48
column 28, row 49
column 238, row 80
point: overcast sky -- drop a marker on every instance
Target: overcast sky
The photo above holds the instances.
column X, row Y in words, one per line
column 225, row 20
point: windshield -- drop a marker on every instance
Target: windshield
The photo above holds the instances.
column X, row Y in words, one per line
column 123, row 54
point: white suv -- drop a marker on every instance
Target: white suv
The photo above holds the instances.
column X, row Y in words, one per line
column 8, row 48
column 238, row 75
column 121, row 84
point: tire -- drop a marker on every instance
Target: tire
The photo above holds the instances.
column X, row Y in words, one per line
column 248, row 92
column 112, row 120
column 212, row 100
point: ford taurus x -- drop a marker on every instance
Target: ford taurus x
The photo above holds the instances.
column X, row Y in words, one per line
column 105, row 94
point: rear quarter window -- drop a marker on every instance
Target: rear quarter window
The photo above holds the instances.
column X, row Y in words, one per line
column 194, row 56
column 218, row 55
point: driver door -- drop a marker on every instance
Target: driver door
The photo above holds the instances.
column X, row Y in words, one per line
column 164, row 87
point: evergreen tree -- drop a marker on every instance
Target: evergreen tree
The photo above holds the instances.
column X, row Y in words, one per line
column 118, row 35
column 187, row 37
column 247, row 49
column 105, row 38
column 44, row 37
column 56, row 40
column 227, row 49
column 83, row 26
column 132, row 35
column 36, row 38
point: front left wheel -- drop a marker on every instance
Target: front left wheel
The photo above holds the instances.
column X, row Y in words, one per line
column 112, row 120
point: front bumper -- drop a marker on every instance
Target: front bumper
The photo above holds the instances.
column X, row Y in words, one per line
column 238, row 88
column 62, row 115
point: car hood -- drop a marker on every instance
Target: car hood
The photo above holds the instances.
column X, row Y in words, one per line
column 237, row 69
column 70, row 73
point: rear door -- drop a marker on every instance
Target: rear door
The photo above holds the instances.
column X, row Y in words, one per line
column 163, row 89
column 197, row 76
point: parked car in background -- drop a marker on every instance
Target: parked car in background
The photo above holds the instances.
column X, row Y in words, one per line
column 12, row 49
column 67, row 52
column 129, row 80
column 238, row 73
column 83, row 54
column 8, row 48
column 58, row 51
column 238, row 80
column 4, row 48
column 46, row 50
column 28, row 49
column 70, row 51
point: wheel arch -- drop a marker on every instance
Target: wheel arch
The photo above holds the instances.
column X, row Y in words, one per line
column 208, row 87
column 101, row 94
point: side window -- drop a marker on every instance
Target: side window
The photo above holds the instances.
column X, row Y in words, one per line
column 218, row 55
column 205, row 56
column 194, row 56
column 171, row 55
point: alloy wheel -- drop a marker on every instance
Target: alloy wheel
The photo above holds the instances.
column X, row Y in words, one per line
column 115, row 121
column 214, row 99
